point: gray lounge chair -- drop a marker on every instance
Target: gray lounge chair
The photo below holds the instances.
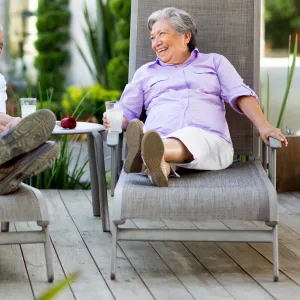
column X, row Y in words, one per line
column 241, row 192
column 25, row 205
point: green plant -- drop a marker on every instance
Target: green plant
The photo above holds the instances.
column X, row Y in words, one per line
column 58, row 176
column 290, row 73
column 57, row 288
column 100, row 37
column 53, row 35
column 288, row 85
column 118, row 66
column 94, row 104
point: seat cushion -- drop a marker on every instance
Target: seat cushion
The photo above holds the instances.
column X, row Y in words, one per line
column 241, row 192
column 25, row 204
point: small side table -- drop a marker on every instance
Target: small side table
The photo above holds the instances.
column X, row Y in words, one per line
column 96, row 163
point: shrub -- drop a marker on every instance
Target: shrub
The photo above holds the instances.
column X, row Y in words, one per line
column 53, row 27
column 94, row 103
column 282, row 17
column 117, row 69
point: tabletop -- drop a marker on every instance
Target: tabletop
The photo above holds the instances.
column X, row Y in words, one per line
column 82, row 127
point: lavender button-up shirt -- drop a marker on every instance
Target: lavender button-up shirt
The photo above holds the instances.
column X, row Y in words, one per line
column 191, row 94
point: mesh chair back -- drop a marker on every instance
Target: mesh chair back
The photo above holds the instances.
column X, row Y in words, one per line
column 231, row 28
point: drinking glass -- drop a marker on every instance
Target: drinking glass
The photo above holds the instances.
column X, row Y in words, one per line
column 28, row 106
column 114, row 115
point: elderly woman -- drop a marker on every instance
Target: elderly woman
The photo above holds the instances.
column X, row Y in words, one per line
column 183, row 92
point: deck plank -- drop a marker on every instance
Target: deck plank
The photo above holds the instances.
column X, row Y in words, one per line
column 197, row 280
column 128, row 284
column 73, row 253
column 157, row 276
column 160, row 270
column 234, row 279
column 36, row 266
column 256, row 265
column 14, row 281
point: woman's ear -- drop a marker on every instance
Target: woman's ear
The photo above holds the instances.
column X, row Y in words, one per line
column 187, row 37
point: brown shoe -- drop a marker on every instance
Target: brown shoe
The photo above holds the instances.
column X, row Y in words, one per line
column 26, row 165
column 27, row 135
column 134, row 135
column 153, row 157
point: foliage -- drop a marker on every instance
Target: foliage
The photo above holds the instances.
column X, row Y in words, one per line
column 100, row 37
column 288, row 85
column 118, row 66
column 290, row 73
column 58, row 175
column 57, row 288
column 53, row 35
column 282, row 17
column 94, row 104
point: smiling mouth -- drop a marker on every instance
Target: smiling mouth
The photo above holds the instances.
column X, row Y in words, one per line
column 160, row 51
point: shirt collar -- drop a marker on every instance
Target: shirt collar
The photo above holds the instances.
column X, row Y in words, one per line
column 192, row 57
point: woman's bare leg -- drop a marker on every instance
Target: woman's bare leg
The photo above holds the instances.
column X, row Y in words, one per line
column 175, row 152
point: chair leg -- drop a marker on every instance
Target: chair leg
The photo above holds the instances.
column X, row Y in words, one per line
column 114, row 231
column 48, row 255
column 275, row 254
column 4, row 226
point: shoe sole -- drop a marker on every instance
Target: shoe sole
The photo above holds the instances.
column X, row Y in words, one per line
column 32, row 168
column 29, row 134
column 153, row 153
column 134, row 135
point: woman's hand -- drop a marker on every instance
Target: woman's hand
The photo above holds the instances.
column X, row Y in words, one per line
column 13, row 122
column 106, row 122
column 268, row 130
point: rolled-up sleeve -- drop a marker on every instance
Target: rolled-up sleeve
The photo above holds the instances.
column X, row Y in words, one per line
column 3, row 95
column 232, row 85
column 132, row 99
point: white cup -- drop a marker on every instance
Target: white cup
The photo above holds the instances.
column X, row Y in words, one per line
column 114, row 115
column 28, row 106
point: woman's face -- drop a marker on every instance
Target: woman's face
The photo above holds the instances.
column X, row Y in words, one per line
column 168, row 45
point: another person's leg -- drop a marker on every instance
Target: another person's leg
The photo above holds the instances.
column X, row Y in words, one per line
column 27, row 135
column 13, row 172
column 24, row 150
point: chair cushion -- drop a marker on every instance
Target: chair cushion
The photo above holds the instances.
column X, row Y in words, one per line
column 241, row 192
column 25, row 204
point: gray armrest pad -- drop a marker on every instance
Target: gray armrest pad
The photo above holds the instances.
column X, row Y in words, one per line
column 274, row 143
column 112, row 139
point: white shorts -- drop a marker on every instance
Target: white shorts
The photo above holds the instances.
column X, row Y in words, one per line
column 210, row 151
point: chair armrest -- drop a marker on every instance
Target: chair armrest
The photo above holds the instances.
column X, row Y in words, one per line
column 274, row 143
column 114, row 140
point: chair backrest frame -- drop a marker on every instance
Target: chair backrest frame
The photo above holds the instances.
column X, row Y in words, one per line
column 231, row 28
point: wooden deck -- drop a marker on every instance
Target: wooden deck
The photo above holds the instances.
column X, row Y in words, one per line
column 151, row 270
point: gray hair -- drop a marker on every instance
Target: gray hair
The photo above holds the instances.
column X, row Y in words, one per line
column 181, row 21
column 1, row 27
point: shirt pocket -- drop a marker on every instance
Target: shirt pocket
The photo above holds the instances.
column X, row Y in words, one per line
column 206, row 81
column 156, row 86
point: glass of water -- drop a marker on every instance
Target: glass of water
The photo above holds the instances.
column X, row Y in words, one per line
column 114, row 115
column 28, row 106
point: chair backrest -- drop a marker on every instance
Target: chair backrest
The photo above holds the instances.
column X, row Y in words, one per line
column 230, row 28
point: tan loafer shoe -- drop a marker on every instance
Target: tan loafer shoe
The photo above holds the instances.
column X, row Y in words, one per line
column 27, row 135
column 134, row 135
column 153, row 154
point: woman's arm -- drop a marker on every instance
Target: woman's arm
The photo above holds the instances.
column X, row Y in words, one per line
column 249, row 106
